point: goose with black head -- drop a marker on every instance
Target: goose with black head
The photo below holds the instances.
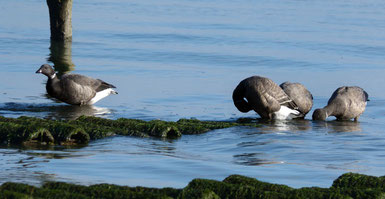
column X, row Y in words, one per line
column 75, row 89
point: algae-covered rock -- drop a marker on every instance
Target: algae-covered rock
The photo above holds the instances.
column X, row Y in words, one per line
column 315, row 192
column 29, row 130
column 194, row 126
column 236, row 186
column 41, row 136
column 11, row 194
column 243, row 180
column 199, row 193
column 197, row 187
column 160, row 129
column 11, row 133
column 346, row 186
column 27, row 191
column 129, row 127
column 14, row 133
column 113, row 191
column 359, row 181
column 20, row 131
column 68, row 134
column 60, row 190
column 360, row 186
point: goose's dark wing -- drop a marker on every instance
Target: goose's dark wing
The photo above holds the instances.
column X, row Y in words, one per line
column 84, row 81
column 366, row 96
column 300, row 95
column 274, row 92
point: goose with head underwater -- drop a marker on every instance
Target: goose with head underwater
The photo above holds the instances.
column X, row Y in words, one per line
column 75, row 89
column 266, row 98
column 346, row 102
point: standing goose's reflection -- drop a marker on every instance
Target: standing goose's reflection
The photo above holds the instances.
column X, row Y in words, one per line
column 49, row 111
column 337, row 126
column 73, row 112
column 284, row 126
column 273, row 135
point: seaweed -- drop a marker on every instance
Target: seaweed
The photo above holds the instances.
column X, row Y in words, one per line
column 41, row 136
column 32, row 131
column 348, row 185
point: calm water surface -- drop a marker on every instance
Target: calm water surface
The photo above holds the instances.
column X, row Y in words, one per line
column 180, row 59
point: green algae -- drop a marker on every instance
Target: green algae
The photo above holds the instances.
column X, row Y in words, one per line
column 113, row 191
column 359, row 181
column 30, row 130
column 33, row 130
column 350, row 185
column 28, row 191
column 360, row 186
column 41, row 136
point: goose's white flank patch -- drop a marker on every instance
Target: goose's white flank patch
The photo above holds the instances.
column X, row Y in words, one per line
column 285, row 113
column 101, row 94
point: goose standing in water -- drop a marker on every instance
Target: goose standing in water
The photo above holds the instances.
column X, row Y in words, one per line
column 75, row 89
column 347, row 102
column 264, row 97
column 300, row 95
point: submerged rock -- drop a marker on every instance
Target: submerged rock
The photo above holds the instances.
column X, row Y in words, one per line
column 348, row 185
column 30, row 130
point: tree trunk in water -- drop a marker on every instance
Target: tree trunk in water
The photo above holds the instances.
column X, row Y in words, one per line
column 60, row 14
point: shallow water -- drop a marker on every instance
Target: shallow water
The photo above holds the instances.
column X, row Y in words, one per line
column 182, row 59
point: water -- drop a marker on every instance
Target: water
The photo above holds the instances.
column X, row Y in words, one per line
column 181, row 59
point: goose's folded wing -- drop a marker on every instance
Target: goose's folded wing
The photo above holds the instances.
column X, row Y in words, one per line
column 79, row 87
column 95, row 84
column 300, row 96
column 274, row 92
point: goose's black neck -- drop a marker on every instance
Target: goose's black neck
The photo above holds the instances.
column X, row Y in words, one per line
column 53, row 86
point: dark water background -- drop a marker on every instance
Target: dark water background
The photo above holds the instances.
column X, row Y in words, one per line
column 176, row 59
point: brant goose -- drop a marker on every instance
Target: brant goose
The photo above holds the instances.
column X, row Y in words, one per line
column 347, row 102
column 75, row 89
column 300, row 95
column 264, row 97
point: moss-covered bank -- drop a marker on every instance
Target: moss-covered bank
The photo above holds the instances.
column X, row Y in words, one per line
column 349, row 185
column 30, row 130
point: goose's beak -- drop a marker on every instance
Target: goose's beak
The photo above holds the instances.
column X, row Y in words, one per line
column 39, row 71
